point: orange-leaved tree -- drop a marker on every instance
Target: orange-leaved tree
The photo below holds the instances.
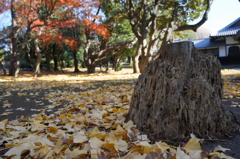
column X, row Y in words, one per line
column 34, row 17
column 84, row 27
column 76, row 28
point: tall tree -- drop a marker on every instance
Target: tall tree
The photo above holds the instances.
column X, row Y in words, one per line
column 83, row 29
column 24, row 15
column 15, row 56
column 122, row 33
column 34, row 14
column 153, row 23
column 107, row 41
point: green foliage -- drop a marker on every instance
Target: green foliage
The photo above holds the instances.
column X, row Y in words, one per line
column 187, row 11
column 179, row 12
column 6, row 57
column 1, row 50
column 80, row 56
column 116, row 17
column 119, row 67
column 1, row 53
column 122, row 33
column 117, row 21
column 25, row 64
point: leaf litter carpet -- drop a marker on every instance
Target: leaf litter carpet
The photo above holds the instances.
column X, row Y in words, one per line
column 82, row 116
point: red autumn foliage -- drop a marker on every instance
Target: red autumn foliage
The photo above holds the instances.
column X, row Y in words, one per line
column 34, row 14
column 100, row 29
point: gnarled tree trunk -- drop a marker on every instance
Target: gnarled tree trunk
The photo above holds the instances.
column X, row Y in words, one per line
column 180, row 93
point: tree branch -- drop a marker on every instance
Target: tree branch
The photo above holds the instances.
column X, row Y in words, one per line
column 112, row 48
column 201, row 22
column 134, row 21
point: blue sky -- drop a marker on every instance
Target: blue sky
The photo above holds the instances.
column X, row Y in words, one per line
column 221, row 14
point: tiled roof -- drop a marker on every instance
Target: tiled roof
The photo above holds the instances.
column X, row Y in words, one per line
column 206, row 42
column 232, row 29
column 228, row 30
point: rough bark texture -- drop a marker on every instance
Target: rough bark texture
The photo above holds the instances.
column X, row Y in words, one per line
column 15, row 54
column 180, row 93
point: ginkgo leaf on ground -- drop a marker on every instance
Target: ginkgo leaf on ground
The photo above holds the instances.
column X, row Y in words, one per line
column 121, row 145
column 79, row 138
column 220, row 149
column 181, row 155
column 3, row 124
column 89, row 124
column 17, row 150
column 220, row 155
column 192, row 145
column 95, row 143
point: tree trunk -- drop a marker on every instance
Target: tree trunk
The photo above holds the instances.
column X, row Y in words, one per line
column 15, row 55
column 115, row 62
column 91, row 68
column 30, row 59
column 135, row 60
column 55, row 60
column 180, row 93
column 143, row 62
column 55, row 56
column 107, row 65
column 38, row 61
column 135, row 64
column 75, row 62
column 147, row 53
column 14, row 64
column 62, row 65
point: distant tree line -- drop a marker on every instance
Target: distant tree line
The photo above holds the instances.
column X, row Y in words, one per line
column 54, row 34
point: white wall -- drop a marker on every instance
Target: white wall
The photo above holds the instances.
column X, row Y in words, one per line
column 230, row 40
column 222, row 51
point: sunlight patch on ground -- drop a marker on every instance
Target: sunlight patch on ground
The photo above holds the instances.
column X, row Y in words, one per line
column 125, row 74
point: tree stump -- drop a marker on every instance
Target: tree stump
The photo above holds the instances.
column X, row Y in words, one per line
column 180, row 93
